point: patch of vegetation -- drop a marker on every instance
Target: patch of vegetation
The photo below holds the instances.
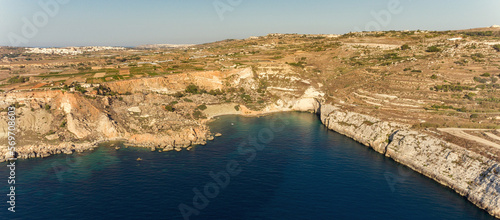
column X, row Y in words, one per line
column 470, row 96
column 79, row 88
column 416, row 71
column 104, row 91
column 216, row 92
column 63, row 124
column 197, row 114
column 169, row 108
column 188, row 100
column 434, row 76
column 237, row 107
column 178, row 95
column 246, row 98
column 202, row 107
column 433, row 49
column 477, row 57
column 479, row 33
column 18, row 79
column 480, row 80
column 486, row 75
column 194, row 89
column 452, row 88
column 405, row 47
column 473, row 116
column 446, row 107
column 496, row 47
column 300, row 64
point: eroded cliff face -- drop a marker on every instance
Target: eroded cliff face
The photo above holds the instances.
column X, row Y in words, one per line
column 469, row 174
column 148, row 112
column 57, row 122
column 208, row 80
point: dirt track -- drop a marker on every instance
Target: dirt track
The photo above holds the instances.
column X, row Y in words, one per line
column 459, row 132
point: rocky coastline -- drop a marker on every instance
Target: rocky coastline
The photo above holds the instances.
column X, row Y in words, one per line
column 471, row 175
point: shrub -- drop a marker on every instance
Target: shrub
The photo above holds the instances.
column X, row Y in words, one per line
column 479, row 33
column 416, row 71
column 202, row 107
column 197, row 115
column 246, row 98
column 298, row 64
column 192, row 88
column 178, row 95
column 47, row 107
column 237, row 107
column 474, row 116
column 104, row 91
column 216, row 92
column 478, row 55
column 470, row 96
column 480, row 80
column 452, row 88
column 188, row 100
column 434, row 76
column 169, row 108
column 405, row 47
column 63, row 124
column 496, row 47
column 18, row 79
column 433, row 49
column 79, row 88
column 486, row 75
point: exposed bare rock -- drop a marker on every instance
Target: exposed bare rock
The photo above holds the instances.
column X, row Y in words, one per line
column 468, row 173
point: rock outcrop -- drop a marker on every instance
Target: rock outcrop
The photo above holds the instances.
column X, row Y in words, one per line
column 58, row 122
column 469, row 174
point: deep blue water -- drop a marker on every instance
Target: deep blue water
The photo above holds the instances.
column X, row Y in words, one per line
column 303, row 172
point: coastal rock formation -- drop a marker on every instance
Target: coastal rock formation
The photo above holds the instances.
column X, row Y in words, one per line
column 56, row 122
column 469, row 174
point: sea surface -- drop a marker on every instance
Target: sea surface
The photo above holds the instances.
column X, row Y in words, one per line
column 281, row 166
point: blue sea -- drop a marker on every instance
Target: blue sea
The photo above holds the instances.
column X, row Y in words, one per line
column 281, row 166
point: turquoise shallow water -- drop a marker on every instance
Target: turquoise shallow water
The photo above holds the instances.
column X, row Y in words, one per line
column 297, row 170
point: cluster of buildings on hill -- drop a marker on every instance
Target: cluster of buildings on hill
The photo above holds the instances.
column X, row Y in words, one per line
column 71, row 50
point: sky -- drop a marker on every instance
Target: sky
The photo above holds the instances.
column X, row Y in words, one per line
column 60, row 23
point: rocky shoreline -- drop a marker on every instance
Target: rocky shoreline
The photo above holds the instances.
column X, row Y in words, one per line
column 471, row 175
column 164, row 144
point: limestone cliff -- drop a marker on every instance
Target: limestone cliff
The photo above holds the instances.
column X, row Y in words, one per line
column 469, row 174
column 55, row 122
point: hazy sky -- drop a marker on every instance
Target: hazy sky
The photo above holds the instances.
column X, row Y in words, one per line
column 134, row 22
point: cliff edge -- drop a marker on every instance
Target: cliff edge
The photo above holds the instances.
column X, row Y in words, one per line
column 471, row 175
